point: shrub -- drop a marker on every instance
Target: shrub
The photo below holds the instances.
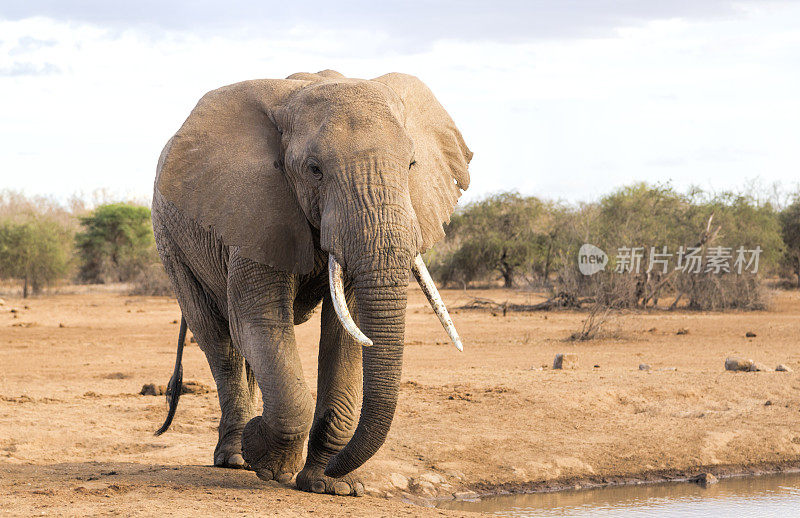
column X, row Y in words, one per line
column 36, row 251
column 790, row 231
column 116, row 243
column 152, row 280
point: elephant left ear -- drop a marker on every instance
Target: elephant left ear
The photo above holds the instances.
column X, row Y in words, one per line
column 440, row 172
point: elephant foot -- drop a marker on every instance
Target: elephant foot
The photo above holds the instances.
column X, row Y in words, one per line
column 271, row 458
column 230, row 461
column 313, row 480
column 228, row 453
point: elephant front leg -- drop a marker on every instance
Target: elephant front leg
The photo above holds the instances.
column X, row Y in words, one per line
column 338, row 388
column 262, row 327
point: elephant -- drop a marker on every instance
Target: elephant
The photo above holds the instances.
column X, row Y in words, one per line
column 276, row 196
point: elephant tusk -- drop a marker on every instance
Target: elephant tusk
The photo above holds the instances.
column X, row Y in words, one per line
column 429, row 289
column 336, row 281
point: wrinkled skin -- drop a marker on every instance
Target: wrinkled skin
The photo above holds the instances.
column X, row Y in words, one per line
column 249, row 262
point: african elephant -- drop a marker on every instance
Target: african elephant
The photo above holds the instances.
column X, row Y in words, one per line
column 274, row 196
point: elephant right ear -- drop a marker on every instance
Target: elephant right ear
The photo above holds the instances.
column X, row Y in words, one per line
column 223, row 169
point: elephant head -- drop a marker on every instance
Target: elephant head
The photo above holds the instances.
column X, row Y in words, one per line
column 366, row 170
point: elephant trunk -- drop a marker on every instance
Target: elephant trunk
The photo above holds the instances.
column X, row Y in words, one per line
column 381, row 300
column 376, row 255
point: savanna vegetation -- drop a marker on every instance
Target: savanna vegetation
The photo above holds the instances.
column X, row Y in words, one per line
column 698, row 249
column 694, row 249
column 44, row 243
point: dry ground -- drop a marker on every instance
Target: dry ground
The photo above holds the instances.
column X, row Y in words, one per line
column 76, row 438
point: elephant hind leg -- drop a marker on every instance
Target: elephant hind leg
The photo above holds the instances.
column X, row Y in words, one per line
column 235, row 384
column 335, row 416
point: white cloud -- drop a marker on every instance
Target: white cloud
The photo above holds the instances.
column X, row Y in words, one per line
column 697, row 102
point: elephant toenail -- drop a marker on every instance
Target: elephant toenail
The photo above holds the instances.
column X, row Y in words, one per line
column 285, row 478
column 318, row 486
column 359, row 489
column 236, row 461
column 341, row 488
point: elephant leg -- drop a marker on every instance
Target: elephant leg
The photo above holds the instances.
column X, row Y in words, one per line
column 260, row 302
column 338, row 390
column 235, row 385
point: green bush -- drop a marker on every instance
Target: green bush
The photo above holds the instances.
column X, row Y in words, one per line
column 790, row 231
column 35, row 251
column 116, row 243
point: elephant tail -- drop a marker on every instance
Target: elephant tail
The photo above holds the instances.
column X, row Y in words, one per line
column 176, row 381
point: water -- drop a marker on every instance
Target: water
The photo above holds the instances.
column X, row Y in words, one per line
column 767, row 496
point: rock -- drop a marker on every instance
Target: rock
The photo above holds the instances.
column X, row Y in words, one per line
column 194, row 387
column 783, row 368
column 737, row 364
column 566, row 361
column 759, row 367
column 704, row 479
column 768, row 403
column 2, row 302
column 750, row 334
column 426, row 488
column 644, row 367
column 433, row 478
column 466, row 495
column 398, row 481
column 151, row 389
column 61, row 325
column 682, row 331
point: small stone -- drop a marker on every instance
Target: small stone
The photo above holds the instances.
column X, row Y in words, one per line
column 704, row 479
column 2, row 302
column 750, row 334
column 174, row 321
column 398, row 481
column 466, row 495
column 738, row 364
column 565, row 361
column 426, row 488
column 783, row 368
column 433, row 478
column 596, row 366
column 644, row 367
column 151, row 389
column 194, row 387
column 768, row 403
column 759, row 367
column 61, row 325
column 682, row 331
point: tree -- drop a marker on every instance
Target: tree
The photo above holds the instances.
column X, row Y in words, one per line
column 790, row 231
column 35, row 251
column 116, row 243
column 502, row 234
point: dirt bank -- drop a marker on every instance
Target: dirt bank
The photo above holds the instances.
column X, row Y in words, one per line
column 76, row 437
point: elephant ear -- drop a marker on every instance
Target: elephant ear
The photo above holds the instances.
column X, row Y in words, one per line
column 222, row 169
column 440, row 173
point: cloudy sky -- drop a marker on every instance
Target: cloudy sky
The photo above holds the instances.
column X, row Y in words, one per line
column 563, row 99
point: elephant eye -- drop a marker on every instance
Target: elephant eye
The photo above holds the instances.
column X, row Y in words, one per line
column 315, row 171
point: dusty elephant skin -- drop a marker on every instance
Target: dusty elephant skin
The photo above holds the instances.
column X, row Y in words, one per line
column 264, row 182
